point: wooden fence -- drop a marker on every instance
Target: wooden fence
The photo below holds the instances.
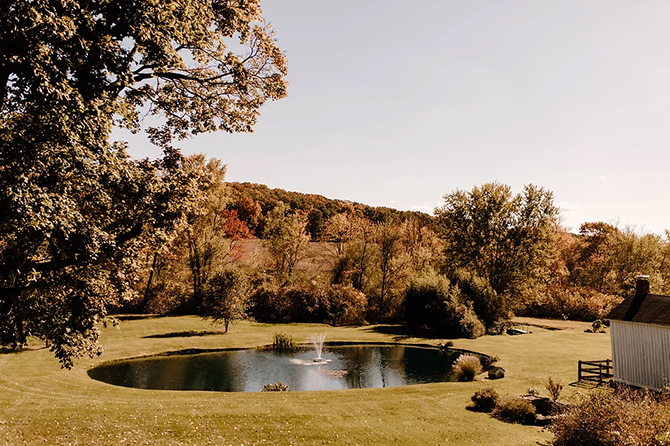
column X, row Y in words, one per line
column 596, row 371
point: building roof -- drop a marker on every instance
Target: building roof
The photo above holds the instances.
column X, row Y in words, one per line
column 644, row 309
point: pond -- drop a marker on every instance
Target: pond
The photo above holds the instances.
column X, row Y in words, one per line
column 342, row 367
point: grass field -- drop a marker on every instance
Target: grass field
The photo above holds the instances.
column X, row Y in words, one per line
column 42, row 404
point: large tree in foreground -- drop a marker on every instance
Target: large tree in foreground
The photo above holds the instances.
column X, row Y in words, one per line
column 501, row 237
column 75, row 209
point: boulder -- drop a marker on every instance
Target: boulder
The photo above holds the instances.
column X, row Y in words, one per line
column 542, row 405
column 544, row 420
column 496, row 372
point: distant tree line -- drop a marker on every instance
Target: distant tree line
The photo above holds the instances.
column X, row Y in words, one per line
column 254, row 201
column 486, row 254
column 229, row 251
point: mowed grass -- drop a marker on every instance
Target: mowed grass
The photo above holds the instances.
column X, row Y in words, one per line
column 43, row 404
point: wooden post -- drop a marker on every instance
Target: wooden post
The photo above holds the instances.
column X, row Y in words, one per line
column 600, row 373
column 579, row 378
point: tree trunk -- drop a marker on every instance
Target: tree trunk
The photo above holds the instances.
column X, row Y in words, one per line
column 147, row 291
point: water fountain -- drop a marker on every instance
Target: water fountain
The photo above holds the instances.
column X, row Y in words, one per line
column 317, row 341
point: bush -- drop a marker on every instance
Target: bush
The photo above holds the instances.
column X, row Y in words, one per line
column 467, row 367
column 168, row 297
column 554, row 388
column 267, row 302
column 470, row 325
column 282, row 342
column 485, row 400
column 312, row 302
column 623, row 417
column 271, row 302
column 346, row 305
column 432, row 303
column 276, row 387
column 574, row 303
column 598, row 326
column 486, row 303
column 306, row 302
column 515, row 410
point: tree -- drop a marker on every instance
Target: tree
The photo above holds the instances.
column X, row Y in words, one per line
column 363, row 235
column 592, row 260
column 205, row 233
column 608, row 259
column 392, row 261
column 87, row 59
column 226, row 296
column 248, row 211
column 315, row 219
column 286, row 238
column 70, row 249
column 338, row 230
column 209, row 238
column 75, row 209
column 502, row 238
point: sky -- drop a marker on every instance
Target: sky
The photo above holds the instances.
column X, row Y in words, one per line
column 398, row 103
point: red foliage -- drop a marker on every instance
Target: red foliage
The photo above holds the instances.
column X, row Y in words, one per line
column 235, row 228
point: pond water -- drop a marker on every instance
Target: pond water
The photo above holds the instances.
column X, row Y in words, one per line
column 343, row 367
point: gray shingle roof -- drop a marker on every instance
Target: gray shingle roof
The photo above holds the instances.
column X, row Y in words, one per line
column 647, row 309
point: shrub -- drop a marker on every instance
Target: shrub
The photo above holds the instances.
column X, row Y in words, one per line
column 574, row 303
column 433, row 304
column 271, row 302
column 282, row 342
column 470, row 325
column 346, row 305
column 554, row 388
column 623, row 417
column 308, row 302
column 487, row 304
column 168, row 297
column 492, row 359
column 268, row 303
column 598, row 326
column 515, row 410
column 485, row 400
column 276, row 387
column 499, row 327
column 467, row 367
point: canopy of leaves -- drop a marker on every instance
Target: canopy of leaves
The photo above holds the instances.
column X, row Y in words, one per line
column 75, row 208
column 503, row 238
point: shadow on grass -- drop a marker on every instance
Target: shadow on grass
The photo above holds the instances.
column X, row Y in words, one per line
column 11, row 351
column 588, row 384
column 15, row 351
column 137, row 317
column 184, row 334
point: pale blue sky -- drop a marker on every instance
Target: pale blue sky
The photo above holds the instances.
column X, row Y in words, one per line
column 398, row 103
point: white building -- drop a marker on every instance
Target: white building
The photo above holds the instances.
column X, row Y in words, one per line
column 640, row 331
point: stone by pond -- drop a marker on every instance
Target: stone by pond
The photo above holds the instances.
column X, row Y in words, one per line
column 341, row 367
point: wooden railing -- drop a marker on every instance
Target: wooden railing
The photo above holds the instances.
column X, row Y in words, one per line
column 596, row 371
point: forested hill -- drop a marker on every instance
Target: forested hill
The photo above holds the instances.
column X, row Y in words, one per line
column 247, row 196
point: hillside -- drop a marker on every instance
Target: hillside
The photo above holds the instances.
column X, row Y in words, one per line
column 319, row 207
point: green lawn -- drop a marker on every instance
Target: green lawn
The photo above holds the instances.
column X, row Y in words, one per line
column 42, row 404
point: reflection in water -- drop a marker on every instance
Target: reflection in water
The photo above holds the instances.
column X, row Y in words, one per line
column 348, row 367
